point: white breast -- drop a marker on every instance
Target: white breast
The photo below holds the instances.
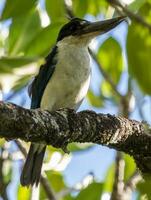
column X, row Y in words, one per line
column 70, row 81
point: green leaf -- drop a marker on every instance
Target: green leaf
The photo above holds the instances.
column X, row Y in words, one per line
column 7, row 64
column 44, row 40
column 21, row 82
column 96, row 7
column 95, row 100
column 2, row 142
column 130, row 167
column 56, row 180
column 56, row 10
column 109, row 179
column 92, row 192
column 139, row 51
column 69, row 197
column 135, row 5
column 2, row 41
column 51, row 150
column 17, row 8
column 110, row 57
column 144, row 187
column 143, row 197
column 42, row 194
column 22, row 31
column 106, row 89
column 79, row 146
column 80, row 7
column 84, row 7
column 7, row 170
column 23, row 193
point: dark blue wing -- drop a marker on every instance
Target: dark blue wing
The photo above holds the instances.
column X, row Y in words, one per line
column 40, row 82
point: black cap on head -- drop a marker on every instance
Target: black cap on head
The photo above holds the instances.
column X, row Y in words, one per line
column 72, row 27
column 79, row 27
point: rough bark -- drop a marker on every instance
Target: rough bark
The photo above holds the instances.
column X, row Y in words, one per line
column 59, row 128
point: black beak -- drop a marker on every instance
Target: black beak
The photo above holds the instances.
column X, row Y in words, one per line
column 100, row 27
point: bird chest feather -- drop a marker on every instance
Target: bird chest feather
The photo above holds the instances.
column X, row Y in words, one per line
column 70, row 81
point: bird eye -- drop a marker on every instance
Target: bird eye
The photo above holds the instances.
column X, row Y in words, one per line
column 82, row 23
column 75, row 26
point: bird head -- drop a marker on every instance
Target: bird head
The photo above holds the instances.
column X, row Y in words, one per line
column 80, row 30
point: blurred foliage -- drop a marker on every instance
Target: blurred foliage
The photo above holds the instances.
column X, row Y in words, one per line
column 46, row 38
column 138, row 51
column 8, row 64
column 20, row 38
column 73, row 147
column 110, row 57
column 25, row 40
column 56, row 10
column 23, row 192
column 130, row 167
column 95, row 100
column 136, row 5
column 109, row 179
column 17, row 9
column 21, row 83
column 56, row 181
column 92, row 192
column 81, row 8
column 144, row 188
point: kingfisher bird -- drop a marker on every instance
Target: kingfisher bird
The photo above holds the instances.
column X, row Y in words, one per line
column 63, row 80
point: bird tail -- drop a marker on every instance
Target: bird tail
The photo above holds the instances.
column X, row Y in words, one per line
column 32, row 168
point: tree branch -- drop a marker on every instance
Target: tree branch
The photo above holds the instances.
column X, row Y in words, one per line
column 117, row 4
column 59, row 128
column 132, row 182
column 117, row 193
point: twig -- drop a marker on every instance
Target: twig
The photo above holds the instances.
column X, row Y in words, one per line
column 132, row 182
column 125, row 103
column 20, row 146
column 68, row 9
column 66, row 191
column 118, row 186
column 46, row 185
column 133, row 16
